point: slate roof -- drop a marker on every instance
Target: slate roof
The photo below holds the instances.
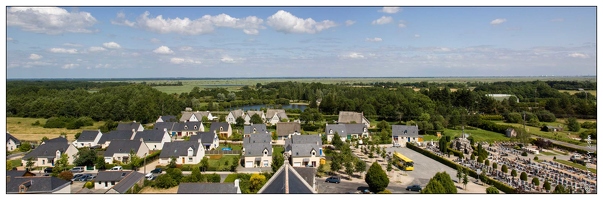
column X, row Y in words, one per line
column 259, row 128
column 9, row 136
column 127, row 182
column 116, row 135
column 207, row 188
column 128, row 126
column 278, row 185
column 206, row 137
column 345, row 129
column 165, row 125
column 257, row 149
column 88, row 135
column 179, row 148
column 303, row 150
column 215, row 126
column 308, row 173
column 48, row 149
column 252, row 112
column 198, row 114
column 111, row 175
column 187, row 126
column 286, row 128
column 17, row 173
column 150, row 135
column 168, row 118
column 258, row 138
column 406, row 131
column 305, row 139
column 37, row 184
column 280, row 112
column 122, row 146
column 347, row 117
column 185, row 116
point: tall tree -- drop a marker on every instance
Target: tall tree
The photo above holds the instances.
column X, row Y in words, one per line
column 30, row 163
column 256, row 119
column 277, row 161
column 440, row 179
column 465, row 180
column 85, row 157
column 349, row 168
column 376, row 178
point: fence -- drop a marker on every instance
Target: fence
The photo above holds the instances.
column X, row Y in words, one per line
column 217, row 151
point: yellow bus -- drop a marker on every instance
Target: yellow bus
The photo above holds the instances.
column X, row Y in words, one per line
column 403, row 162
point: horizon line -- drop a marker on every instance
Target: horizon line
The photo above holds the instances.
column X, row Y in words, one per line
column 298, row 77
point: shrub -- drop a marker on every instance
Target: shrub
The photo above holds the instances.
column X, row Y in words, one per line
column 89, row 185
column 535, row 157
column 386, row 191
column 492, row 190
column 165, row 181
column 524, row 154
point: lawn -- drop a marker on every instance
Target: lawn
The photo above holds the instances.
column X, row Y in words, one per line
column 218, row 162
column 561, row 136
column 559, row 152
column 15, row 163
column 478, row 135
column 576, row 165
column 22, row 129
column 235, row 147
column 546, row 153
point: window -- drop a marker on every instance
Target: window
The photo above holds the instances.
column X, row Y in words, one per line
column 43, row 162
column 190, row 159
column 313, row 153
column 112, row 182
column 81, row 144
column 265, row 163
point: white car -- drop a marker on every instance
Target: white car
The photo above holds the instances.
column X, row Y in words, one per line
column 149, row 176
column 116, row 168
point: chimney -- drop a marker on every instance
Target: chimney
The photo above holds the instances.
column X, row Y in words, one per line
column 164, row 129
column 142, row 140
column 236, row 182
column 134, row 121
column 199, row 140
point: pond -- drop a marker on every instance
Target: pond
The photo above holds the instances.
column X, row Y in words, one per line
column 257, row 107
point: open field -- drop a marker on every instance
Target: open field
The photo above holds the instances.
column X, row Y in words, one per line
column 233, row 84
column 568, row 163
column 562, row 120
column 561, row 136
column 478, row 135
column 593, row 92
column 22, row 129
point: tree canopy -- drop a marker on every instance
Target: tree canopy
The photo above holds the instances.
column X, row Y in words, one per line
column 376, row 178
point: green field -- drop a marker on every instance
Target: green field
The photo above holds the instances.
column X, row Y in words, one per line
column 478, row 135
column 560, row 136
column 22, row 129
column 576, row 165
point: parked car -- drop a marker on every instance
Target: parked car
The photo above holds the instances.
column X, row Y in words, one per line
column 48, row 170
column 150, row 176
column 333, row 179
column 77, row 169
column 116, row 168
column 77, row 177
column 91, row 177
column 414, row 188
column 84, row 177
column 156, row 171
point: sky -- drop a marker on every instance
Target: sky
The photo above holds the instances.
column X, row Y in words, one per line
column 260, row 41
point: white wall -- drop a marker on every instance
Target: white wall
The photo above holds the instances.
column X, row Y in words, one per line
column 64, row 190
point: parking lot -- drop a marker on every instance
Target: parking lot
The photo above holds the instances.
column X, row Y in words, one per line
column 352, row 187
column 424, row 167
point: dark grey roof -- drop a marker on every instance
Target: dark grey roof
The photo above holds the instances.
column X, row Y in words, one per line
column 405, row 131
column 37, row 184
column 116, row 135
column 88, row 135
column 215, row 126
column 48, row 149
column 345, row 129
column 187, row 126
column 259, row 128
column 168, row 118
column 150, row 135
column 165, row 125
column 9, row 136
column 308, row 173
column 128, row 126
column 129, row 181
column 257, row 149
column 277, row 184
column 207, row 188
column 122, row 146
column 111, row 175
column 16, row 173
column 303, row 150
column 305, row 139
column 286, row 128
column 206, row 137
column 258, row 138
column 301, row 145
column 178, row 148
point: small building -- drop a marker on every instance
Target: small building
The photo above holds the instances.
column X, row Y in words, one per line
column 347, row 117
column 88, row 138
column 119, row 150
column 223, row 129
column 129, row 126
column 233, row 115
column 166, row 118
column 304, row 150
column 552, row 128
column 510, row 132
column 286, row 180
column 500, row 97
column 209, row 188
column 209, row 140
column 346, row 131
column 285, row 129
column 185, row 152
column 106, row 138
column 154, row 139
column 12, row 142
column 19, row 173
column 197, row 116
column 50, row 151
column 253, row 129
column 257, row 150
column 37, row 185
column 250, row 113
column 274, row 116
column 401, row 134
column 112, row 179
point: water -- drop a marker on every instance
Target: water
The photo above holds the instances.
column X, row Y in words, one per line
column 257, row 107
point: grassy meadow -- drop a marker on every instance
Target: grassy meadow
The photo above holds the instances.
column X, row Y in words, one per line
column 478, row 134
column 22, row 129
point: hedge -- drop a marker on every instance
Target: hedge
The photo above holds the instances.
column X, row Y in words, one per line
column 501, row 186
column 491, row 126
column 492, row 117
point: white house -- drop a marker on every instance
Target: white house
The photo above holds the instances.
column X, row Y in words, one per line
column 119, row 150
column 154, row 139
column 185, row 152
column 49, row 152
column 257, row 150
column 274, row 116
column 250, row 113
column 401, row 134
column 196, row 116
column 233, row 115
column 209, row 140
column 88, row 138
column 346, row 131
column 12, row 143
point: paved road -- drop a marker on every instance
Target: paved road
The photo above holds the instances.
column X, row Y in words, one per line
column 593, row 149
column 15, row 156
column 352, row 187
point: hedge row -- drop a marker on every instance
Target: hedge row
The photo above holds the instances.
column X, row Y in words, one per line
column 492, row 117
column 491, row 126
column 559, row 146
column 501, row 186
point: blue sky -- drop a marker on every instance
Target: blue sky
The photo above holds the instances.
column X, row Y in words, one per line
column 214, row 42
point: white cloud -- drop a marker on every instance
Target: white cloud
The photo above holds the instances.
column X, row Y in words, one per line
column 49, row 20
column 352, row 55
column 417, row 36
column 402, row 24
column 70, row 66
column 578, row 55
column 349, row 22
column 228, row 59
column 184, row 61
column 163, row 50
column 103, row 66
column 9, row 39
column 383, row 20
column 71, row 44
column 186, row 26
column 186, row 48
column 390, row 10
column 155, row 40
column 95, row 49
column 34, row 56
column 498, row 21
column 62, row 50
column 283, row 21
column 374, row 39
column 111, row 45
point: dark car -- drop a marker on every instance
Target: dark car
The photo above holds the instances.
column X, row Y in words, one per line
column 414, row 188
column 333, row 179
column 156, row 171
column 84, row 177
column 48, row 170
column 77, row 177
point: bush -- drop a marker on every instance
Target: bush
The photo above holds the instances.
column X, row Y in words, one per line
column 89, row 185
column 524, row 153
column 165, row 181
column 25, row 147
column 492, row 190
column 213, row 178
column 535, row 157
column 386, row 191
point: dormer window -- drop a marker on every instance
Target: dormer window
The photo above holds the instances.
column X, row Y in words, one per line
column 313, row 152
column 221, row 129
column 185, row 127
column 195, row 127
